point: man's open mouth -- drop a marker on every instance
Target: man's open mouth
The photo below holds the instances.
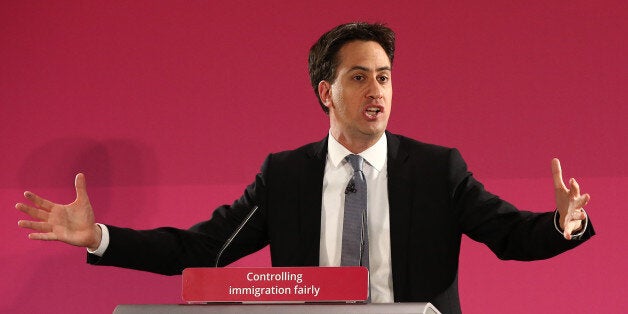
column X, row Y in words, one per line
column 373, row 111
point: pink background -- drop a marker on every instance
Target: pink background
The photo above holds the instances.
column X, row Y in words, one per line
column 170, row 107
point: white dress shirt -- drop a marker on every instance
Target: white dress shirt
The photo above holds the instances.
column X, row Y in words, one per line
column 338, row 172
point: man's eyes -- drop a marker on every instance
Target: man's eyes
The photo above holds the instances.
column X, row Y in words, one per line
column 382, row 78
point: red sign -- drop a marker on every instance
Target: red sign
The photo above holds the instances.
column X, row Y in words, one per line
column 275, row 284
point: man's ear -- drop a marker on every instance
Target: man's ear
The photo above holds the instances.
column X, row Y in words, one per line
column 324, row 92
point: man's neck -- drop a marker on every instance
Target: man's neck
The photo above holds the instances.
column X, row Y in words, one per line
column 358, row 144
column 374, row 155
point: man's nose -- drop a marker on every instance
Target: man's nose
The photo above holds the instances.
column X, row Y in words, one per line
column 375, row 91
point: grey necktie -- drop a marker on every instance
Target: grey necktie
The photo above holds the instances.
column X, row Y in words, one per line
column 355, row 246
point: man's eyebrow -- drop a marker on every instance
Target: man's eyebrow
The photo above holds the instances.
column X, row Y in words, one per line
column 363, row 68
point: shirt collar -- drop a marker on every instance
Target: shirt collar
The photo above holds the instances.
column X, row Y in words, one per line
column 374, row 155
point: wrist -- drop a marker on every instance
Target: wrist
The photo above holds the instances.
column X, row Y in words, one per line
column 95, row 243
column 575, row 234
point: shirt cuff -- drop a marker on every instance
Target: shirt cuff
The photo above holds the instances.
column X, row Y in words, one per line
column 577, row 236
column 104, row 242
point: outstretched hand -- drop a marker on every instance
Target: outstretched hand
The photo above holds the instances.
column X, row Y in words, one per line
column 72, row 223
column 569, row 202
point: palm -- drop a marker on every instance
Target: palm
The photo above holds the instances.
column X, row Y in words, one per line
column 72, row 223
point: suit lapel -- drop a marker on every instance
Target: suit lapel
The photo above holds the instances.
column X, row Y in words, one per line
column 311, row 191
column 399, row 200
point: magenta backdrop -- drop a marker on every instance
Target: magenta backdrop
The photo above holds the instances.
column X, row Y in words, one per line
column 170, row 107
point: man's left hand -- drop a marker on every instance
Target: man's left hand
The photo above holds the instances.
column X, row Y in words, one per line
column 569, row 202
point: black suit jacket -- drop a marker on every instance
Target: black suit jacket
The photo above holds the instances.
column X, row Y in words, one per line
column 433, row 200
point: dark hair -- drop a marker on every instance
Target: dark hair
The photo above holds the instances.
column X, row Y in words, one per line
column 323, row 58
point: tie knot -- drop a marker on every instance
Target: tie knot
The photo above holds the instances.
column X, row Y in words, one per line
column 356, row 161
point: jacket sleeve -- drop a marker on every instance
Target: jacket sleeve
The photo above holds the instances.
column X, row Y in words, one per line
column 170, row 250
column 510, row 233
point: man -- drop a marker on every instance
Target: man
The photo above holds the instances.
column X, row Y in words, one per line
column 420, row 198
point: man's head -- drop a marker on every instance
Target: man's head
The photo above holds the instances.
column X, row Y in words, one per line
column 351, row 72
column 323, row 58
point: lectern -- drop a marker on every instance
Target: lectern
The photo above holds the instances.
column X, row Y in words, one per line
column 267, row 290
column 374, row 308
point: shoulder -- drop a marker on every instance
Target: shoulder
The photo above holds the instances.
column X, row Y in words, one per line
column 298, row 157
column 414, row 147
column 409, row 152
column 310, row 150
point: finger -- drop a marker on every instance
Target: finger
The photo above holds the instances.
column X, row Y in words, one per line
column 35, row 225
column 573, row 221
column 567, row 230
column 574, row 216
column 38, row 201
column 33, row 212
column 574, row 188
column 557, row 175
column 582, row 201
column 81, row 187
column 43, row 236
column 578, row 215
column 567, row 235
column 570, row 227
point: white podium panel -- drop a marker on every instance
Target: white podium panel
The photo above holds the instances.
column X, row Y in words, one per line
column 374, row 308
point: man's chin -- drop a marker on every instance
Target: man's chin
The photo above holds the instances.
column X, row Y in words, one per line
column 375, row 129
column 375, row 133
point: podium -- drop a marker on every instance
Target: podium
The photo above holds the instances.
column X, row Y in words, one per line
column 266, row 290
column 326, row 308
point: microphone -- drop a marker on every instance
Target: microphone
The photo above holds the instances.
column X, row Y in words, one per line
column 234, row 234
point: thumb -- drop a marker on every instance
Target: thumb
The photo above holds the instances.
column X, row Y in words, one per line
column 81, row 187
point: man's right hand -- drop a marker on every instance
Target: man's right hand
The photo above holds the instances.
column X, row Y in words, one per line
column 73, row 223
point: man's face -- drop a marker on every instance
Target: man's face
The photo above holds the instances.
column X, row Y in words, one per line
column 359, row 99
